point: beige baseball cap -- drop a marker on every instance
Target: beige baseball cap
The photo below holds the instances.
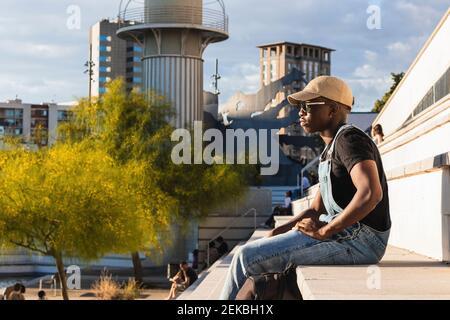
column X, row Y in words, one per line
column 324, row 86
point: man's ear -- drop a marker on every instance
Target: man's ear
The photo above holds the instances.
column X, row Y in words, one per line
column 334, row 110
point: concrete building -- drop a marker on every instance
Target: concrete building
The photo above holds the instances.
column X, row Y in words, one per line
column 416, row 150
column 174, row 35
column 33, row 123
column 278, row 59
column 113, row 58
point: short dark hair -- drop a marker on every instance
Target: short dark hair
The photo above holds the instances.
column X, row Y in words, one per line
column 41, row 294
column 17, row 287
column 378, row 129
column 220, row 239
column 183, row 263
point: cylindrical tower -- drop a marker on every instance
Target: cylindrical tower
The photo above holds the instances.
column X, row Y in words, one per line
column 174, row 35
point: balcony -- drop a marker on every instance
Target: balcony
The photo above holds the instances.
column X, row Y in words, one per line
column 136, row 19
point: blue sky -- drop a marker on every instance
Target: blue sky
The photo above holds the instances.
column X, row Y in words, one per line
column 42, row 60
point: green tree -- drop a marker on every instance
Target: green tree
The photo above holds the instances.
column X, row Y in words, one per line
column 74, row 201
column 130, row 128
column 379, row 104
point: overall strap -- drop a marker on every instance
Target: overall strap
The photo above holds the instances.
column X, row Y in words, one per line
column 341, row 129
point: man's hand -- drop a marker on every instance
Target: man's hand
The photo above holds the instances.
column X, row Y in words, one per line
column 312, row 228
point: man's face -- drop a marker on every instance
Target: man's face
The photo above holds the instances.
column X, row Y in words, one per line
column 316, row 115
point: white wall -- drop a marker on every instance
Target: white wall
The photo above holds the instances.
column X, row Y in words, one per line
column 417, row 212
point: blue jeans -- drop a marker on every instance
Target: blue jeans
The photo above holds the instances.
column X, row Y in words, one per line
column 358, row 244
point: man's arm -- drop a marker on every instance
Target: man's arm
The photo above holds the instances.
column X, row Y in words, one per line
column 368, row 194
column 317, row 208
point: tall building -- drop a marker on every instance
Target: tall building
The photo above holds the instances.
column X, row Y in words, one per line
column 175, row 34
column 278, row 59
column 113, row 58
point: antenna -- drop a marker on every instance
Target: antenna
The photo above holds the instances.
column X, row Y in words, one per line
column 216, row 77
column 90, row 71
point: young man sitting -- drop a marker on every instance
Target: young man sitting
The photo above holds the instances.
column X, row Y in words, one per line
column 348, row 222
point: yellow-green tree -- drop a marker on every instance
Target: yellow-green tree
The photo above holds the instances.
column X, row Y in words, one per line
column 131, row 129
column 76, row 201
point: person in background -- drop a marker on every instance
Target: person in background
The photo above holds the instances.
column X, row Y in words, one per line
column 195, row 259
column 17, row 293
column 377, row 134
column 286, row 210
column 305, row 183
column 213, row 253
column 182, row 280
column 42, row 295
column 223, row 246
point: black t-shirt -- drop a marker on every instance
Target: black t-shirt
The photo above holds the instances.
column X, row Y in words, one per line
column 352, row 147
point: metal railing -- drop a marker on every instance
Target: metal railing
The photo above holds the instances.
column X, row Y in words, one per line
column 205, row 17
column 226, row 229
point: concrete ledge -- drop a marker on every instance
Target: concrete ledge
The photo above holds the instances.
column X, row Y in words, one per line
column 402, row 275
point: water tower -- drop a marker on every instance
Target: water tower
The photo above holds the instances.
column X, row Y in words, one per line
column 174, row 34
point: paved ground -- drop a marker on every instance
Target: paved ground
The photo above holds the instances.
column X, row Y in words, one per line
column 153, row 294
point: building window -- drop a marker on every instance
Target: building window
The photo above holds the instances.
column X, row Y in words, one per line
column 104, row 79
column 63, row 115
column 105, row 69
column 137, row 80
column 134, row 59
column 305, row 52
column 326, row 56
column 289, row 50
column 105, row 49
column 273, row 52
column 316, row 69
column 105, row 38
column 316, row 54
column 105, row 59
column 305, row 66
column 102, row 90
column 11, row 122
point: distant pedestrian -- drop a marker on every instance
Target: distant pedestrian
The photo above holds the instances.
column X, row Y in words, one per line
column 17, row 292
column 285, row 210
column 213, row 253
column 223, row 246
column 378, row 134
column 182, row 280
column 42, row 295
column 305, row 183
column 195, row 259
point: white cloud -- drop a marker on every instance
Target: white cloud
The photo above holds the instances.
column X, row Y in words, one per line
column 399, row 48
column 241, row 77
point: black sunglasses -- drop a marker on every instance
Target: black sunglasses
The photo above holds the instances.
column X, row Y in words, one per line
column 307, row 106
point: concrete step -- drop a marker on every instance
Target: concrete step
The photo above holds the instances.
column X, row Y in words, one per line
column 400, row 275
